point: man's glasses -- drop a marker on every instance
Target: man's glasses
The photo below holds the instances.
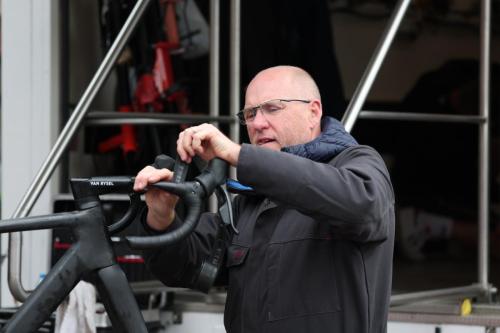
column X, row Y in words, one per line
column 268, row 108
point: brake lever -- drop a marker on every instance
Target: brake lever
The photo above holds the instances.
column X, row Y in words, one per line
column 164, row 161
column 179, row 167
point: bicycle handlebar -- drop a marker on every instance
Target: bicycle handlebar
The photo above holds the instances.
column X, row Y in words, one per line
column 86, row 192
column 192, row 193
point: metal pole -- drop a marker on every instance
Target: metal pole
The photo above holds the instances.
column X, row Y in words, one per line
column 106, row 118
column 214, row 57
column 214, row 70
column 429, row 294
column 235, row 82
column 62, row 142
column 484, row 143
column 423, row 117
column 359, row 97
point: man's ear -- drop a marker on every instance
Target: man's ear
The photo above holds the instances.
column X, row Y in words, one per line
column 316, row 113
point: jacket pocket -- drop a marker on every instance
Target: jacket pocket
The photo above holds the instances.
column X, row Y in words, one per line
column 236, row 256
column 301, row 279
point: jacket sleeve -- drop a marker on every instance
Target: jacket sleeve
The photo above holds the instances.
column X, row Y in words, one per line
column 178, row 265
column 352, row 192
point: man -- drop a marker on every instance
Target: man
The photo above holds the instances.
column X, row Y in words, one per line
column 314, row 252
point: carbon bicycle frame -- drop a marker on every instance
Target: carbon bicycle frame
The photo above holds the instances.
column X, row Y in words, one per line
column 90, row 256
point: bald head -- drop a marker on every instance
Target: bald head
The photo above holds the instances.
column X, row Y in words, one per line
column 297, row 121
column 281, row 82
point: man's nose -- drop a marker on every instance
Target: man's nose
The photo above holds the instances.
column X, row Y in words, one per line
column 260, row 120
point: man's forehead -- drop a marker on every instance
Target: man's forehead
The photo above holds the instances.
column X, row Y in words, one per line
column 265, row 89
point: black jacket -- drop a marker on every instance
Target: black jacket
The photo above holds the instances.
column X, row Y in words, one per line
column 314, row 253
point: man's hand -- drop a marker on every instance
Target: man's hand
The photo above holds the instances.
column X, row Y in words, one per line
column 207, row 142
column 161, row 204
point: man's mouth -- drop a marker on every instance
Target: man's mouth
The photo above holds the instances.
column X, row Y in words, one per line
column 263, row 141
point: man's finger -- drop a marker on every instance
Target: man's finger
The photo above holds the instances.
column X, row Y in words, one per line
column 158, row 175
column 187, row 141
column 180, row 149
column 196, row 143
column 141, row 180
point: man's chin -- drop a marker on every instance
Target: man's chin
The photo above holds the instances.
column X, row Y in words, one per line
column 273, row 145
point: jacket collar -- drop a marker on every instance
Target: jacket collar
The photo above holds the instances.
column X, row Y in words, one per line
column 332, row 141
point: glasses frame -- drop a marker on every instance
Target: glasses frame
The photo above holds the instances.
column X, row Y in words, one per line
column 254, row 109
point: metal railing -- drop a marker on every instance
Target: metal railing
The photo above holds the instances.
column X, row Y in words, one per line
column 364, row 86
column 105, row 118
column 78, row 116
column 354, row 112
column 235, row 82
column 424, row 117
column 62, row 142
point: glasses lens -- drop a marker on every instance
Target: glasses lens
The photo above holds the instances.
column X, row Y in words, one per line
column 249, row 114
column 272, row 106
column 246, row 115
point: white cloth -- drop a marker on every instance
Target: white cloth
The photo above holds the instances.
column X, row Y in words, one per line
column 77, row 313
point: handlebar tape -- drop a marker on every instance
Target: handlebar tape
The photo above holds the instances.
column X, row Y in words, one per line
column 191, row 193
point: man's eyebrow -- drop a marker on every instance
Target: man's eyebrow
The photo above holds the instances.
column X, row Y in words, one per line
column 253, row 107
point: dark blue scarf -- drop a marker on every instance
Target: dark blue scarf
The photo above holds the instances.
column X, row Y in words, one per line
column 331, row 142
